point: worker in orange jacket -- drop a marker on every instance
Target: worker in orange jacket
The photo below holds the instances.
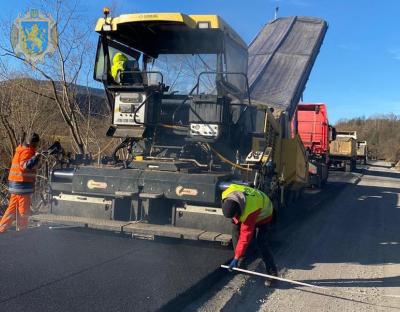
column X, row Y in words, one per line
column 21, row 183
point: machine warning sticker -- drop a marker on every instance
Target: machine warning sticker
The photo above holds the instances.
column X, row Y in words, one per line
column 182, row 191
column 92, row 184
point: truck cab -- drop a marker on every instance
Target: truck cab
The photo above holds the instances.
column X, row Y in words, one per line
column 316, row 134
column 362, row 152
column 181, row 82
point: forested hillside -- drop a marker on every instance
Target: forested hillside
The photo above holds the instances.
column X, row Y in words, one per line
column 28, row 105
column 382, row 132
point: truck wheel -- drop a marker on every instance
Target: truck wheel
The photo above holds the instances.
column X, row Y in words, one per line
column 324, row 181
column 353, row 165
column 319, row 182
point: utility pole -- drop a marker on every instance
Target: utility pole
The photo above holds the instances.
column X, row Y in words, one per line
column 276, row 12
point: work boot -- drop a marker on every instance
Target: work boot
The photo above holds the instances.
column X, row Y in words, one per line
column 269, row 282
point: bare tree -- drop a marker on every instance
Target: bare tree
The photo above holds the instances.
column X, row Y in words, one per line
column 66, row 66
column 22, row 111
column 382, row 133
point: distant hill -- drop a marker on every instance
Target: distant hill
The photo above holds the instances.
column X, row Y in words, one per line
column 26, row 103
column 382, row 133
column 97, row 97
column 85, row 95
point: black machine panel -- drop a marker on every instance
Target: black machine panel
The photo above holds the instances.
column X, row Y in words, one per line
column 114, row 182
column 82, row 206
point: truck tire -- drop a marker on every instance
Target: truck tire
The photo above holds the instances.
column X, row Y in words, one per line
column 325, row 179
column 353, row 165
column 324, row 174
column 347, row 166
column 319, row 182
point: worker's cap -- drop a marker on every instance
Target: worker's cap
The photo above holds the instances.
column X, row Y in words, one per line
column 230, row 208
column 34, row 138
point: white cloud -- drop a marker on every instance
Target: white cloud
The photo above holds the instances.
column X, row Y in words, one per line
column 395, row 53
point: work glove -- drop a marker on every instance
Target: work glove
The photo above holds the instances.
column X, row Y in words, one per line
column 36, row 158
column 233, row 264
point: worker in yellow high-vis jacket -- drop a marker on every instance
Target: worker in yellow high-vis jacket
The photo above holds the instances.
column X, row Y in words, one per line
column 250, row 210
column 125, row 71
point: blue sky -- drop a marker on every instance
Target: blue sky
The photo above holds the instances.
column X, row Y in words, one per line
column 357, row 71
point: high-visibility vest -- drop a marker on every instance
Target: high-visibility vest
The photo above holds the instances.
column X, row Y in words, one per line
column 255, row 200
column 118, row 64
column 17, row 171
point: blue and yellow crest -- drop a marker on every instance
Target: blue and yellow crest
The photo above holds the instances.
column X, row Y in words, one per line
column 33, row 36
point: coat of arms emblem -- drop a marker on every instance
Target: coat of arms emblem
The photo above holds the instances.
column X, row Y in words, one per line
column 33, row 36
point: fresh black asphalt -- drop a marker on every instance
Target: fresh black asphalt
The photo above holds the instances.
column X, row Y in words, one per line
column 77, row 270
column 81, row 270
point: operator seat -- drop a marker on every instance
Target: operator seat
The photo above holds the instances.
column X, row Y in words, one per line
column 131, row 73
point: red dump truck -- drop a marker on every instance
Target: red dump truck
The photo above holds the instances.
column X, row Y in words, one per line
column 315, row 133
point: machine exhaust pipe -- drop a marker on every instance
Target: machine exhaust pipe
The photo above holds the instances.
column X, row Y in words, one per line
column 63, row 174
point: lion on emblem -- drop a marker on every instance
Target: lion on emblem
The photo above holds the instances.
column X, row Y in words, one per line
column 34, row 38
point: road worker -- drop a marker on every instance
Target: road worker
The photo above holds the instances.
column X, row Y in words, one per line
column 124, row 70
column 117, row 67
column 21, row 182
column 250, row 210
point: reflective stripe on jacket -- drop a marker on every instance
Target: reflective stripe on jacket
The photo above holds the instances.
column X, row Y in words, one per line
column 257, row 210
column 21, row 188
column 19, row 171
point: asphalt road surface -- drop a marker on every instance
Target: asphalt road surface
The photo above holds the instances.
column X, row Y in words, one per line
column 80, row 270
column 75, row 270
column 351, row 245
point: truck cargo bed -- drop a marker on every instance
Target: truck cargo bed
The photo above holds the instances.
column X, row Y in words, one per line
column 343, row 148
